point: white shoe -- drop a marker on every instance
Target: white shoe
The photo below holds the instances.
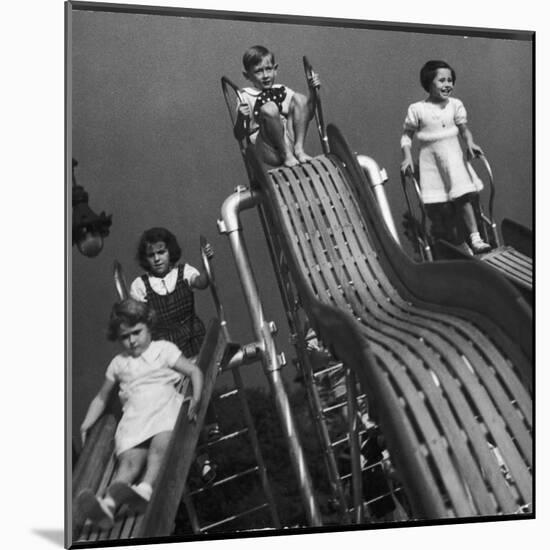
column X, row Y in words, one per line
column 91, row 508
column 478, row 244
column 136, row 497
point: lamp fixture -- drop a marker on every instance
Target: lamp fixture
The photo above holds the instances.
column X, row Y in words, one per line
column 89, row 229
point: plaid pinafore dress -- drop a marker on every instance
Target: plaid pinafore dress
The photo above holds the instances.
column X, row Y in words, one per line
column 176, row 318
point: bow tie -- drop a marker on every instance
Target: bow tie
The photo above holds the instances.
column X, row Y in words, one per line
column 277, row 95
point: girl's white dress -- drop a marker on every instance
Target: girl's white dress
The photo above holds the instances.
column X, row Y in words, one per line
column 444, row 172
column 147, row 391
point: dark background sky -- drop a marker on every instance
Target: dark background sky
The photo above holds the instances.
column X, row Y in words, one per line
column 152, row 136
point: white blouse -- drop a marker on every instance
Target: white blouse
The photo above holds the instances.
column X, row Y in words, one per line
column 162, row 285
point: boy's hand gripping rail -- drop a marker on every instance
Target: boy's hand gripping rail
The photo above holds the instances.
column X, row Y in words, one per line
column 318, row 109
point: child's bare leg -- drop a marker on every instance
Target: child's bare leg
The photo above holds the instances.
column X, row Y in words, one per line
column 299, row 117
column 157, row 450
column 477, row 244
column 468, row 216
column 272, row 133
column 130, row 464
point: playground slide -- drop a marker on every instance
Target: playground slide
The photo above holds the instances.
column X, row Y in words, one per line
column 96, row 464
column 442, row 350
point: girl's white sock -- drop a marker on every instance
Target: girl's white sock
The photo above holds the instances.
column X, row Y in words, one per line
column 144, row 489
column 109, row 502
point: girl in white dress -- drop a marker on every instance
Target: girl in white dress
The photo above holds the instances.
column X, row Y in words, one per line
column 437, row 122
column 147, row 373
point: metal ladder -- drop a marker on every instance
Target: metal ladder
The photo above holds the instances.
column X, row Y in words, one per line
column 345, row 431
column 345, row 481
column 199, row 521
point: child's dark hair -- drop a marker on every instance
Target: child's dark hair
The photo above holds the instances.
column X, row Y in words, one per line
column 254, row 55
column 429, row 70
column 155, row 235
column 129, row 312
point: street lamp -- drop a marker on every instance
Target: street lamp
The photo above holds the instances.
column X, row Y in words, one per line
column 89, row 229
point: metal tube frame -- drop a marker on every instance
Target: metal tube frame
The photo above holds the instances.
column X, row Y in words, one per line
column 292, row 308
column 376, row 178
column 230, row 225
column 354, row 445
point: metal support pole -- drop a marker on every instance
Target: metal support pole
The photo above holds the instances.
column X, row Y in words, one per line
column 242, row 199
column 354, row 446
column 377, row 177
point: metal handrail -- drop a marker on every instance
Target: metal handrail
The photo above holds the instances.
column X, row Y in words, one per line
column 120, row 281
column 318, row 109
column 229, row 86
column 212, row 282
column 239, row 391
column 490, row 220
column 422, row 240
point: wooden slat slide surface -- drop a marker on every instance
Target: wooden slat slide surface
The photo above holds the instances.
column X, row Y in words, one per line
column 451, row 371
column 97, row 463
column 515, row 265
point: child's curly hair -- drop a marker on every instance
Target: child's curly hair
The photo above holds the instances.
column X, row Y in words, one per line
column 129, row 312
column 429, row 70
column 155, row 235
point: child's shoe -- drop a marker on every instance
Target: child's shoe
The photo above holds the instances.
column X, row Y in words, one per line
column 478, row 244
column 213, row 432
column 208, row 472
column 94, row 509
column 136, row 497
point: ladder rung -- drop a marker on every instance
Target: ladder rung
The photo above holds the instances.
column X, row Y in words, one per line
column 226, row 437
column 363, row 469
column 344, row 439
column 236, row 516
column 379, row 497
column 225, row 480
column 334, row 407
column 330, row 368
column 228, row 394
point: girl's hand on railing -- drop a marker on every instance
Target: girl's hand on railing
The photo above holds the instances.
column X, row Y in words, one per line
column 192, row 411
column 208, row 251
column 474, row 151
column 407, row 167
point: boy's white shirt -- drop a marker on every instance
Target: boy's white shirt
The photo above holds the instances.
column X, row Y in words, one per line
column 162, row 285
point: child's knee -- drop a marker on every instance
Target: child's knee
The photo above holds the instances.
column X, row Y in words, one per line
column 269, row 110
column 130, row 463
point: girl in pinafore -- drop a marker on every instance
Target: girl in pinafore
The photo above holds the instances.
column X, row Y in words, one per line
column 147, row 373
column 167, row 286
column 437, row 122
